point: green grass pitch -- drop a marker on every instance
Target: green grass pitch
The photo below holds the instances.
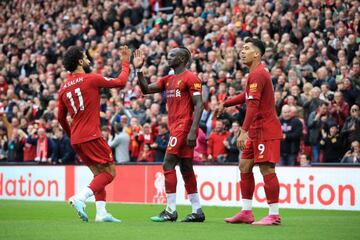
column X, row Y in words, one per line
column 57, row 220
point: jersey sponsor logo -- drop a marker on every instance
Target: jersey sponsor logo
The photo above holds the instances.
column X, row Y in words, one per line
column 108, row 79
column 197, row 86
column 173, row 93
column 253, row 87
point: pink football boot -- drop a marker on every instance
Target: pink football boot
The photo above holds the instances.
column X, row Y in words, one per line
column 244, row 216
column 273, row 219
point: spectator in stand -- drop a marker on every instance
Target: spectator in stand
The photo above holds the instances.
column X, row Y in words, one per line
column 161, row 142
column 351, row 130
column 119, row 142
column 349, row 91
column 230, row 144
column 292, row 132
column 216, row 150
column 315, row 101
column 146, row 154
column 29, row 149
column 146, row 137
column 63, row 152
column 318, row 120
column 304, row 160
column 326, row 94
column 136, row 111
column 134, row 147
column 331, row 145
column 3, row 143
column 339, row 109
column 44, row 146
column 15, row 146
column 353, row 155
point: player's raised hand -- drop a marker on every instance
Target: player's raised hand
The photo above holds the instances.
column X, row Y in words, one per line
column 125, row 53
column 138, row 58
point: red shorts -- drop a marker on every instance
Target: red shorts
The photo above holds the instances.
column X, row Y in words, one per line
column 262, row 151
column 177, row 145
column 94, row 152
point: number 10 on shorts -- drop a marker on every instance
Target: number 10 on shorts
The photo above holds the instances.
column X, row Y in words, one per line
column 172, row 141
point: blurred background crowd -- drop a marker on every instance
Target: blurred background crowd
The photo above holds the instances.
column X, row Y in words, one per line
column 312, row 52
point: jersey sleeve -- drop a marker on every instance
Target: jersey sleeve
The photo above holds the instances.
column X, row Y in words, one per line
column 119, row 82
column 255, row 86
column 62, row 113
column 161, row 83
column 194, row 85
column 239, row 99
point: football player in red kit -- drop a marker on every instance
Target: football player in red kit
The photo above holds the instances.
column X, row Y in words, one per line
column 183, row 94
column 79, row 96
column 259, row 137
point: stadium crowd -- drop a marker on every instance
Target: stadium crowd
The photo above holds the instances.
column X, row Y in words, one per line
column 312, row 52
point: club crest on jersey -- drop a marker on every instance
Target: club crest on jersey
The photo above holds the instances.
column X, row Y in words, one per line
column 178, row 82
column 197, row 86
column 253, row 87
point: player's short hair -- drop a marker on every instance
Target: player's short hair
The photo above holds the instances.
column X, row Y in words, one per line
column 257, row 43
column 188, row 53
column 71, row 58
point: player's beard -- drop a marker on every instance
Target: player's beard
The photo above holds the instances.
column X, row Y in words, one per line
column 87, row 69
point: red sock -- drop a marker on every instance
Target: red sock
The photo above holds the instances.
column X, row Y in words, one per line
column 272, row 188
column 100, row 196
column 100, row 181
column 170, row 181
column 190, row 182
column 247, row 185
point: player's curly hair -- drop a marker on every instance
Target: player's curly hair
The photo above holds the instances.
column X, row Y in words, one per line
column 257, row 43
column 71, row 58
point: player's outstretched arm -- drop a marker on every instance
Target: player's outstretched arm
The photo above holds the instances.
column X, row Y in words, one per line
column 145, row 87
column 198, row 109
column 121, row 80
column 239, row 99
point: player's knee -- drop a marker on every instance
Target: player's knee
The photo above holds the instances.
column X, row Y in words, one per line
column 266, row 169
column 170, row 162
column 167, row 166
column 185, row 169
column 245, row 166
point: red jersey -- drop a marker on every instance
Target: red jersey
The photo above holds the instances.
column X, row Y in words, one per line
column 79, row 96
column 266, row 124
column 179, row 91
